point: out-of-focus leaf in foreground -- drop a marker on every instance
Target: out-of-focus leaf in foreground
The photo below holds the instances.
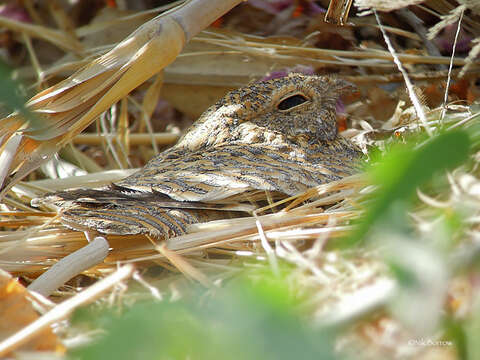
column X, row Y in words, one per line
column 240, row 321
column 403, row 170
column 472, row 330
column 417, row 260
column 9, row 95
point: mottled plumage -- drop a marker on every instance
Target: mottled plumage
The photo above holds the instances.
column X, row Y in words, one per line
column 278, row 136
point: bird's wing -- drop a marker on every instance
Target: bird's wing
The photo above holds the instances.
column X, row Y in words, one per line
column 115, row 210
column 225, row 172
column 175, row 189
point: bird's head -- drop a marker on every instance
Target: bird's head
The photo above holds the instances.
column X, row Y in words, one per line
column 296, row 108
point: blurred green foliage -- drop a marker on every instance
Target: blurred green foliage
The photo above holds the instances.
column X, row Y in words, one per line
column 10, row 95
column 455, row 331
column 403, row 169
column 417, row 260
column 472, row 333
column 13, row 98
column 242, row 320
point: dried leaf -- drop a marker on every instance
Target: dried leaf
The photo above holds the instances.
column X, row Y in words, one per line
column 17, row 311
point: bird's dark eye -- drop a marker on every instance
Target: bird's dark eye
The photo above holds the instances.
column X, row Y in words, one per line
column 291, row 101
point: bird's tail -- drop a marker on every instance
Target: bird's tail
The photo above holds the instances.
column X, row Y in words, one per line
column 122, row 212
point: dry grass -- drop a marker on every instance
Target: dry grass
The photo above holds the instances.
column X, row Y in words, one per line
column 343, row 285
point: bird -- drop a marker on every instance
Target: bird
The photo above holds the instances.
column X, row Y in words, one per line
column 277, row 136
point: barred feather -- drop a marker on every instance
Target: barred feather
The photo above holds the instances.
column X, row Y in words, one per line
column 278, row 136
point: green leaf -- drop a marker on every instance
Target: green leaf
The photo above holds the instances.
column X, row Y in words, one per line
column 8, row 91
column 455, row 332
column 13, row 100
column 403, row 170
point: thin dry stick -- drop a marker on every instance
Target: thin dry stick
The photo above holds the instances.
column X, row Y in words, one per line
column 317, row 55
column 156, row 294
column 62, row 310
column 449, row 77
column 408, row 83
column 183, row 266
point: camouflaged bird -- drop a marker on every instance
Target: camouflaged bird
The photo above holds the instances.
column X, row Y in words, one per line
column 278, row 136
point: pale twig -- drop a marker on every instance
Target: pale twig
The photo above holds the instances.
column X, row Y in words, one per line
column 153, row 290
column 290, row 252
column 411, row 91
column 272, row 259
column 62, row 310
column 70, row 266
